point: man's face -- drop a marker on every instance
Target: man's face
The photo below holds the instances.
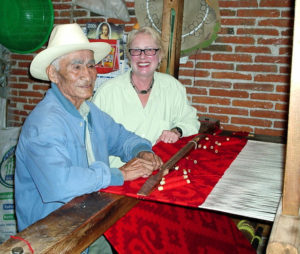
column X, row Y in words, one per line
column 76, row 76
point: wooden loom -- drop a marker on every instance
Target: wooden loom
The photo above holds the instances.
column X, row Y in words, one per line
column 77, row 224
column 285, row 235
column 74, row 226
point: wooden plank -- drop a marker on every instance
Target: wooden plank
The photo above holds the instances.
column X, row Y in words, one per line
column 285, row 234
column 153, row 181
column 74, row 226
column 170, row 64
column 256, row 137
column 291, row 190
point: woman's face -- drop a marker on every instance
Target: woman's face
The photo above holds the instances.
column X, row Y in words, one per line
column 104, row 30
column 144, row 65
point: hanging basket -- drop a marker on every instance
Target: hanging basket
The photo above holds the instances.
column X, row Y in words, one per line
column 25, row 25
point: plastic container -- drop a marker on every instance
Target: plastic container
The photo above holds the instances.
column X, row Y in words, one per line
column 25, row 25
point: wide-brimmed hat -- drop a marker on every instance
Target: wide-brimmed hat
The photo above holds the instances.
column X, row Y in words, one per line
column 201, row 21
column 65, row 39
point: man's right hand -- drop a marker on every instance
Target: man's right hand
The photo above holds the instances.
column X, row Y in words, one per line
column 137, row 168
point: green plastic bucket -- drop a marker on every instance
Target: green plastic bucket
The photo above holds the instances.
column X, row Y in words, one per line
column 25, row 25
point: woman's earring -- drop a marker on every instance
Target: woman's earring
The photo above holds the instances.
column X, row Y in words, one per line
column 158, row 66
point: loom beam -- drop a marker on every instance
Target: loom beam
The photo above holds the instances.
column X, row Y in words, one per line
column 154, row 180
column 74, row 226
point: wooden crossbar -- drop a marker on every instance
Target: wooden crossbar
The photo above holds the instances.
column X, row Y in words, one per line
column 74, row 226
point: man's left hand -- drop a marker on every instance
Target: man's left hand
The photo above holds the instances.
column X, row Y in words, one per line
column 152, row 157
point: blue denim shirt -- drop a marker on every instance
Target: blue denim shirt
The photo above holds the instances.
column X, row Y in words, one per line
column 51, row 161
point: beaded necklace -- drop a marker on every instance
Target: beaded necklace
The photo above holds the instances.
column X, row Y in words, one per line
column 141, row 91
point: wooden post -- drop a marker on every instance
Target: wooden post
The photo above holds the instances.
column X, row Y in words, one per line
column 171, row 35
column 285, row 235
column 291, row 191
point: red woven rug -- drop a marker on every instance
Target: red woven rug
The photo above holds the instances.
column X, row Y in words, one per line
column 157, row 227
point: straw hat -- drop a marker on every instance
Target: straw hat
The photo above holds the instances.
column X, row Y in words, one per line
column 65, row 39
column 201, row 21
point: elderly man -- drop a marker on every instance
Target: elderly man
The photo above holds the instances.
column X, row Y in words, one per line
column 65, row 142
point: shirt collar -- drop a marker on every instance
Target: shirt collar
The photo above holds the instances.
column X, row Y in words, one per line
column 84, row 110
column 65, row 102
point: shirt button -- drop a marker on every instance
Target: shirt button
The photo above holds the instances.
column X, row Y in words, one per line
column 81, row 124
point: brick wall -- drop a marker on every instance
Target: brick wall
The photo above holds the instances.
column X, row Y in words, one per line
column 241, row 79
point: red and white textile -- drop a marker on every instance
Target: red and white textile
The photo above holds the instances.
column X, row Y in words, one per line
column 173, row 224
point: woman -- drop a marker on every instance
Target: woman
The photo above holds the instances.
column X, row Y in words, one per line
column 104, row 32
column 154, row 105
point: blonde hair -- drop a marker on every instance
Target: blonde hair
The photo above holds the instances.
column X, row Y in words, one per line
column 145, row 30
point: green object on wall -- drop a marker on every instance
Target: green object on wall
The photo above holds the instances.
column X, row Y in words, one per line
column 25, row 25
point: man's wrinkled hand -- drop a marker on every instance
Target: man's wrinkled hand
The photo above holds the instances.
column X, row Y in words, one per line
column 151, row 157
column 140, row 167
